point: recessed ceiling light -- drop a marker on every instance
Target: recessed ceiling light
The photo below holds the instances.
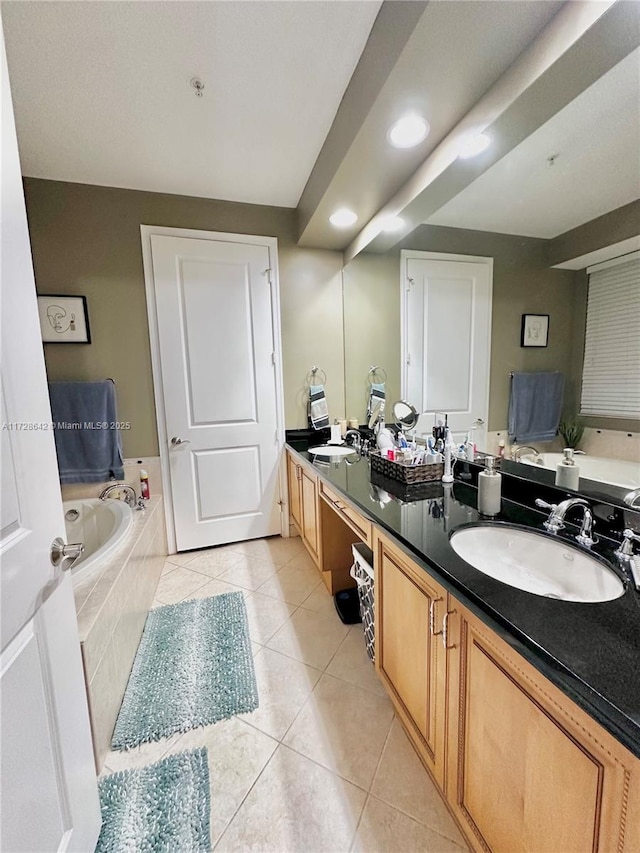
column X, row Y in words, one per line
column 473, row 145
column 343, row 218
column 393, row 223
column 408, row 131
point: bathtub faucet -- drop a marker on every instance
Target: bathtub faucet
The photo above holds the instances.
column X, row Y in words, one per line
column 125, row 492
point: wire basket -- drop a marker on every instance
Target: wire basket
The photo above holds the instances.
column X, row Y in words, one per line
column 405, row 472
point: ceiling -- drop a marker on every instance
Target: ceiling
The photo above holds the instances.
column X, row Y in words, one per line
column 299, row 97
column 595, row 145
column 102, row 92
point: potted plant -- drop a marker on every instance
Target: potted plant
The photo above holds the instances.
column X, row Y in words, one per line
column 571, row 432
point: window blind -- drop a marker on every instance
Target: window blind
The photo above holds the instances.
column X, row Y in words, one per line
column 611, row 370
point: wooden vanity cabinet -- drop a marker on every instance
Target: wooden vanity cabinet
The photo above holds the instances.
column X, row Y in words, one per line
column 294, row 475
column 528, row 770
column 303, row 506
column 410, row 655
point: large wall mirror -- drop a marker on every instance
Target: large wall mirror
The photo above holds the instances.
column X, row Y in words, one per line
column 530, row 213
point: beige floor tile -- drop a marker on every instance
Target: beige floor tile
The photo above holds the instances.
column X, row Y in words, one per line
column 284, row 685
column 402, row 782
column 139, row 756
column 295, row 806
column 352, row 663
column 265, row 616
column 157, row 603
column 182, row 559
column 237, row 754
column 384, row 829
column 178, row 585
column 216, row 587
column 344, row 728
column 309, row 637
column 168, row 567
column 293, row 582
column 320, row 601
column 255, row 648
column 275, row 548
column 214, row 561
column 249, row 572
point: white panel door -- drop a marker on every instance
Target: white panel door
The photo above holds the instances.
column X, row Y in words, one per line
column 446, row 341
column 217, row 353
column 48, row 792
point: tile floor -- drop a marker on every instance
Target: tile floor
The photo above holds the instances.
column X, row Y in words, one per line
column 322, row 764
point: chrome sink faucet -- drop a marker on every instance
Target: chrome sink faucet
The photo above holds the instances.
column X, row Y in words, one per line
column 125, row 489
column 357, row 439
column 516, row 452
column 555, row 522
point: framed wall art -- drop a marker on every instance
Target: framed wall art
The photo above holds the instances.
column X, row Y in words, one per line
column 535, row 330
column 64, row 319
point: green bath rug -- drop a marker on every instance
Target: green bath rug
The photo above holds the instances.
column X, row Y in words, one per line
column 193, row 667
column 162, row 808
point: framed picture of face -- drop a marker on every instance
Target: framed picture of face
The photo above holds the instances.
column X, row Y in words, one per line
column 64, row 319
column 535, row 330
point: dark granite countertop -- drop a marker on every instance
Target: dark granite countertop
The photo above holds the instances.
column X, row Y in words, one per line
column 590, row 651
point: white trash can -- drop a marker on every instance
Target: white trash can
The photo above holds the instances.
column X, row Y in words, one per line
column 362, row 573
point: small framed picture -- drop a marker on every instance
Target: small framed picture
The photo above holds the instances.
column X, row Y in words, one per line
column 535, row 330
column 64, row 319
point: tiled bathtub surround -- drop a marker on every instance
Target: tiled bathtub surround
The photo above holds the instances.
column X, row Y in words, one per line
column 151, row 464
column 112, row 604
column 608, row 443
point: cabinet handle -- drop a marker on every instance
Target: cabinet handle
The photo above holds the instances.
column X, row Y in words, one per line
column 298, row 472
column 432, row 617
column 445, row 631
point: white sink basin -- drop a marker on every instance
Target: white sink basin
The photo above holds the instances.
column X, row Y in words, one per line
column 331, row 450
column 536, row 562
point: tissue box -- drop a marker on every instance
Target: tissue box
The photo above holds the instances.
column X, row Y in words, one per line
column 405, row 472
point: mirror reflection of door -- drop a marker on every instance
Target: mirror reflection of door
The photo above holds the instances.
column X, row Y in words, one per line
column 446, row 340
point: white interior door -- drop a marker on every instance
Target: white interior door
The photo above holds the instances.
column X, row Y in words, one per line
column 446, row 324
column 48, row 792
column 217, row 343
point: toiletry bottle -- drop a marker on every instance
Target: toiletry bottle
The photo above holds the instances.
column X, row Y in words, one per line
column 145, row 494
column 489, row 487
column 336, row 437
column 567, row 472
column 501, row 449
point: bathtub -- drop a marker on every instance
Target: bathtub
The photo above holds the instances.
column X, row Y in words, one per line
column 100, row 525
column 615, row 472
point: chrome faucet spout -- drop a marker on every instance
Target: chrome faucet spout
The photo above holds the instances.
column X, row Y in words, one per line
column 357, row 439
column 124, row 490
column 518, row 451
column 555, row 522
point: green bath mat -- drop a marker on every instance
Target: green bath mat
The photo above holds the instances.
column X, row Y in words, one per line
column 162, row 808
column 193, row 667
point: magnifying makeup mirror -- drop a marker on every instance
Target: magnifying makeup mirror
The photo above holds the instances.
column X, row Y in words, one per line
column 405, row 415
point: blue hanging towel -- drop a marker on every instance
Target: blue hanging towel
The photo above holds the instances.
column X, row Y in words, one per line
column 535, row 406
column 85, row 428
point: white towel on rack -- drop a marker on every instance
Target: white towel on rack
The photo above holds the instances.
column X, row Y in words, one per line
column 318, row 410
column 377, row 395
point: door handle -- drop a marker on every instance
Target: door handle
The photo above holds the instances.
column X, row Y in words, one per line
column 175, row 441
column 432, row 617
column 60, row 552
column 445, row 631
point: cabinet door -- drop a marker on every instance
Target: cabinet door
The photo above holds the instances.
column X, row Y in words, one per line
column 309, row 504
column 410, row 657
column 294, row 475
column 528, row 770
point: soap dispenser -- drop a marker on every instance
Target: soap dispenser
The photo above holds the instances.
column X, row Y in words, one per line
column 489, row 488
column 567, row 472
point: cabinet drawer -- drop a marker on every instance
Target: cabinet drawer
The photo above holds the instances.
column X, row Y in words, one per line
column 351, row 516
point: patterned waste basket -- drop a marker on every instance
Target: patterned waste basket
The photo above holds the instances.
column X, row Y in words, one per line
column 362, row 573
